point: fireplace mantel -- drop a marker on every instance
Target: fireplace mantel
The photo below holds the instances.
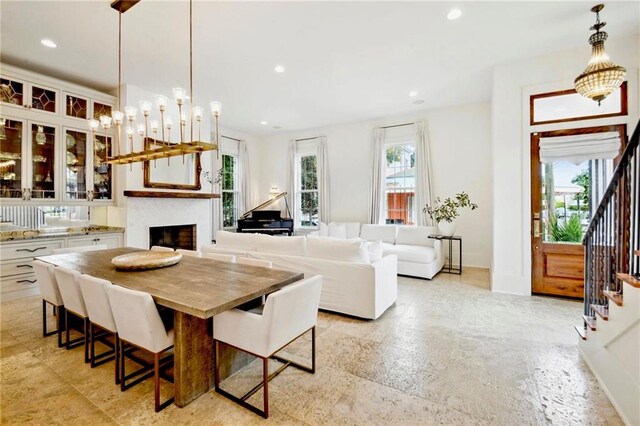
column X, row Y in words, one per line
column 169, row 194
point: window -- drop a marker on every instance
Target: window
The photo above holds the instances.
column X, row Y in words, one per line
column 230, row 192
column 307, row 190
column 400, row 183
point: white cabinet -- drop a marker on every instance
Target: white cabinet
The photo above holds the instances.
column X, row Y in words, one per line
column 47, row 153
column 16, row 270
column 110, row 240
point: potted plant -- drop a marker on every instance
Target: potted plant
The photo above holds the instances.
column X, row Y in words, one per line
column 444, row 213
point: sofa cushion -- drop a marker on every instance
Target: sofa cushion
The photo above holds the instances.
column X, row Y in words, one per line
column 337, row 230
column 415, row 254
column 386, row 233
column 353, row 229
column 415, row 235
column 233, row 240
column 294, row 246
column 353, row 250
column 323, row 230
column 375, row 250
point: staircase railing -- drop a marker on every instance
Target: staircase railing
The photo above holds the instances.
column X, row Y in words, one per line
column 614, row 232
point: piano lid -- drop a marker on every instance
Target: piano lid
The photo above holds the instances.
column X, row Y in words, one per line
column 268, row 202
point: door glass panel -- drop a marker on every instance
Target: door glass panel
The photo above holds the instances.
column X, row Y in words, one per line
column 43, row 153
column 570, row 194
column 102, row 178
column 43, row 99
column 10, row 158
column 76, row 107
column 75, row 165
column 11, row 91
column 100, row 110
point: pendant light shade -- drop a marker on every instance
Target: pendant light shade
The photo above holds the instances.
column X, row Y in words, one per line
column 601, row 77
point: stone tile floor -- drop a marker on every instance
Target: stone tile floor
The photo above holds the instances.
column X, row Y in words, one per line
column 448, row 352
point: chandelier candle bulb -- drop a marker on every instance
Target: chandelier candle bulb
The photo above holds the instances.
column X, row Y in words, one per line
column 117, row 117
column 179, row 95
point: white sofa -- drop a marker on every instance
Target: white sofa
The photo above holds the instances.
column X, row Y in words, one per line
column 353, row 282
column 418, row 256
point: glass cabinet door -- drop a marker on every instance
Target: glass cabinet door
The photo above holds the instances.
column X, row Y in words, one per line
column 44, row 99
column 76, row 107
column 12, row 91
column 75, row 174
column 43, row 155
column 11, row 179
column 100, row 109
column 102, row 173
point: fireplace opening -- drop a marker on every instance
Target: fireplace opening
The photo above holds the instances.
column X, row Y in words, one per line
column 176, row 237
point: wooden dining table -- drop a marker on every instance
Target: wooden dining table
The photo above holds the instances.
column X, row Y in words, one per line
column 196, row 289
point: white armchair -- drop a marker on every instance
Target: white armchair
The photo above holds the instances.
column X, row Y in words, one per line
column 287, row 314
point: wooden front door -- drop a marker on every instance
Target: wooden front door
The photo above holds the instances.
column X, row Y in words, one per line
column 562, row 205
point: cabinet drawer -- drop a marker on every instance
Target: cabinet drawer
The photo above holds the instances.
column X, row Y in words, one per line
column 31, row 249
column 15, row 267
column 18, row 282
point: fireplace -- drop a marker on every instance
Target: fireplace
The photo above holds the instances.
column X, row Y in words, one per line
column 176, row 237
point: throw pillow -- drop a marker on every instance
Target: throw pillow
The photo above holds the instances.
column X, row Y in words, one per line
column 338, row 230
column 375, row 250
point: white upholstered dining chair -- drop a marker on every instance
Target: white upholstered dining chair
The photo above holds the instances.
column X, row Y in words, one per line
column 192, row 253
column 94, row 293
column 81, row 249
column 254, row 262
column 140, row 325
column 287, row 314
column 160, row 248
column 220, row 257
column 74, row 303
column 50, row 295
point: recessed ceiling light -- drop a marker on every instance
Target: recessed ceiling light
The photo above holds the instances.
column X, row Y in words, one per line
column 413, row 93
column 454, row 14
column 279, row 68
column 48, row 43
column 264, row 123
column 418, row 102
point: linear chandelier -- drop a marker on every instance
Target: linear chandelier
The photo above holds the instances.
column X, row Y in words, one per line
column 601, row 77
column 125, row 153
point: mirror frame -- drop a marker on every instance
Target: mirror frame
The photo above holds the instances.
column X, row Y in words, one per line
column 148, row 183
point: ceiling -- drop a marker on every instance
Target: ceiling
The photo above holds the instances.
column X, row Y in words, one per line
column 345, row 61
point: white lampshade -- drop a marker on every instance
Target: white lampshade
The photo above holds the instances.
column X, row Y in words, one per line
column 183, row 118
column 168, row 122
column 179, row 94
column 197, row 112
column 216, row 107
column 129, row 131
column 105, row 120
column 117, row 117
column 130, row 112
column 141, row 129
column 161, row 102
column 93, row 124
column 145, row 107
column 154, row 125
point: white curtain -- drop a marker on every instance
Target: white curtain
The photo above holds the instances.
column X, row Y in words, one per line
column 217, row 202
column 246, row 200
column 291, row 177
column 423, row 172
column 579, row 148
column 323, row 180
column 375, row 194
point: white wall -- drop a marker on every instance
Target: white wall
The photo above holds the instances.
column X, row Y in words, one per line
column 461, row 161
column 512, row 84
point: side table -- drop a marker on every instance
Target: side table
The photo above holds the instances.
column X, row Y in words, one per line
column 448, row 268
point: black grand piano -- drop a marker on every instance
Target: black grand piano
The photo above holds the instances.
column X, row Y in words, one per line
column 266, row 221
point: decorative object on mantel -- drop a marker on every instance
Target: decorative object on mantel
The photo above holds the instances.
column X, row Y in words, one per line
column 165, row 194
column 444, row 213
column 168, row 149
column 145, row 260
column 601, row 77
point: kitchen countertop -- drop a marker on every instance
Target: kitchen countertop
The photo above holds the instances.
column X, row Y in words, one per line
column 34, row 234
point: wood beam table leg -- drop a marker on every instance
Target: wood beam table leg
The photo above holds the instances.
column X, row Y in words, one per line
column 193, row 357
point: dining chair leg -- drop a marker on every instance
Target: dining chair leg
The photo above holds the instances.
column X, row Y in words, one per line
column 44, row 318
column 122, row 368
column 92, row 345
column 59, row 322
column 66, row 331
column 87, row 339
column 216, row 369
column 313, row 350
column 156, row 380
column 265, row 379
column 117, row 358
